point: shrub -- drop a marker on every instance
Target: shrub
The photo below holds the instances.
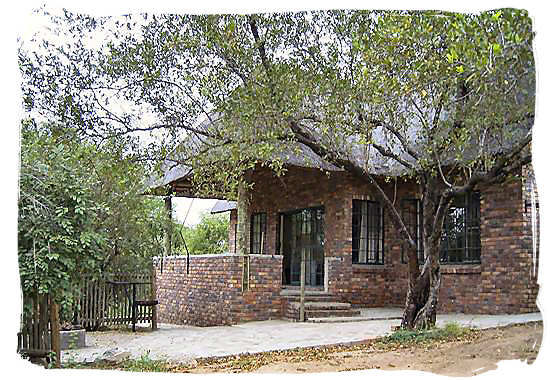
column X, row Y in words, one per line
column 451, row 330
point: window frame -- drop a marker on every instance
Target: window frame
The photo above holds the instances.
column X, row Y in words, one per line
column 468, row 253
column 417, row 229
column 258, row 219
column 357, row 209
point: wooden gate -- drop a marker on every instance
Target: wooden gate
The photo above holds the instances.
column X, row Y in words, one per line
column 39, row 335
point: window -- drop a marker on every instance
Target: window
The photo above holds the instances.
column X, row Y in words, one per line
column 367, row 232
column 257, row 233
column 460, row 238
column 412, row 217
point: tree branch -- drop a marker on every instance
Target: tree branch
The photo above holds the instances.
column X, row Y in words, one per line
column 259, row 43
column 386, row 153
column 505, row 165
column 401, row 139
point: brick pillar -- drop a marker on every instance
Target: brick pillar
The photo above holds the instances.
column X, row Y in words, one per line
column 243, row 220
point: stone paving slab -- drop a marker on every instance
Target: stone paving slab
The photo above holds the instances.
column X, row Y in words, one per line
column 184, row 343
column 370, row 314
column 321, row 305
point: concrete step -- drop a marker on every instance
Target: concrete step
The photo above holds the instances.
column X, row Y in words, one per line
column 309, row 305
column 331, row 313
column 358, row 318
column 318, row 304
column 327, row 314
column 286, row 292
column 313, row 298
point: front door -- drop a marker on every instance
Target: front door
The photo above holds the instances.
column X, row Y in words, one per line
column 303, row 231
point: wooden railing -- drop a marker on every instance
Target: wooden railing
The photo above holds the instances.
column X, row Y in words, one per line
column 108, row 301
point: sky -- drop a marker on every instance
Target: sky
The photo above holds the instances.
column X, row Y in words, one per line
column 192, row 207
column 185, row 210
column 16, row 20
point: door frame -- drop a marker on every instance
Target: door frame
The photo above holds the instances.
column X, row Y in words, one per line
column 286, row 280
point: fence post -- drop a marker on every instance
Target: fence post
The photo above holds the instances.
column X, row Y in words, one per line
column 35, row 322
column 56, row 342
column 154, row 297
column 302, row 286
column 134, row 308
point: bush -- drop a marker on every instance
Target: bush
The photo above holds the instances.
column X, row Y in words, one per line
column 145, row 364
column 451, row 330
column 209, row 236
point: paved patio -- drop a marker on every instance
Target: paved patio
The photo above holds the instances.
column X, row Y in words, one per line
column 184, row 343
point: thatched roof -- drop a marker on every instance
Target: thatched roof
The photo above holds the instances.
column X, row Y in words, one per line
column 177, row 177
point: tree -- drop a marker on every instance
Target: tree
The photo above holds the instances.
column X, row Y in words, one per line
column 209, row 236
column 57, row 238
column 447, row 99
column 80, row 214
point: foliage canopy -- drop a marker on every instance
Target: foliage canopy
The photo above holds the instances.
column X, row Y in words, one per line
column 80, row 213
column 413, row 87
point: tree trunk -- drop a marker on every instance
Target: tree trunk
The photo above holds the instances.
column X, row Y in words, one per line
column 55, row 328
column 420, row 310
column 426, row 316
column 243, row 231
column 415, row 292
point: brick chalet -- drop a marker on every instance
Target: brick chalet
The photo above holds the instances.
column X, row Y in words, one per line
column 353, row 256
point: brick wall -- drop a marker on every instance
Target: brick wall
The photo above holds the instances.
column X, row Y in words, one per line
column 531, row 239
column 211, row 294
column 232, row 231
column 502, row 283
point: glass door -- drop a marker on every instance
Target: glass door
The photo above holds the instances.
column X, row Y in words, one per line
column 303, row 231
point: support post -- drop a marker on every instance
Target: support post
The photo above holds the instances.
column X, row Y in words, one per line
column 168, row 226
column 243, row 230
column 303, row 286
column 243, row 220
column 56, row 338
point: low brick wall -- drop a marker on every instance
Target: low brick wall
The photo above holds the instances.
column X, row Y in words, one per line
column 211, row 294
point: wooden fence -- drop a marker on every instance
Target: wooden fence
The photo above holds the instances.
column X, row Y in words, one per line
column 108, row 302
column 39, row 335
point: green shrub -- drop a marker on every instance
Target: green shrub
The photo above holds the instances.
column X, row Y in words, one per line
column 145, row 364
column 451, row 330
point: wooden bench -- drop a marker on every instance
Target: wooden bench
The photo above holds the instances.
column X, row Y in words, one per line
column 146, row 303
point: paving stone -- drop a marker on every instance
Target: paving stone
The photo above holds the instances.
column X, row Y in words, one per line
column 185, row 343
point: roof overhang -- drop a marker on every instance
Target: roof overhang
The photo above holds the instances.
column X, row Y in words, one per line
column 223, row 206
